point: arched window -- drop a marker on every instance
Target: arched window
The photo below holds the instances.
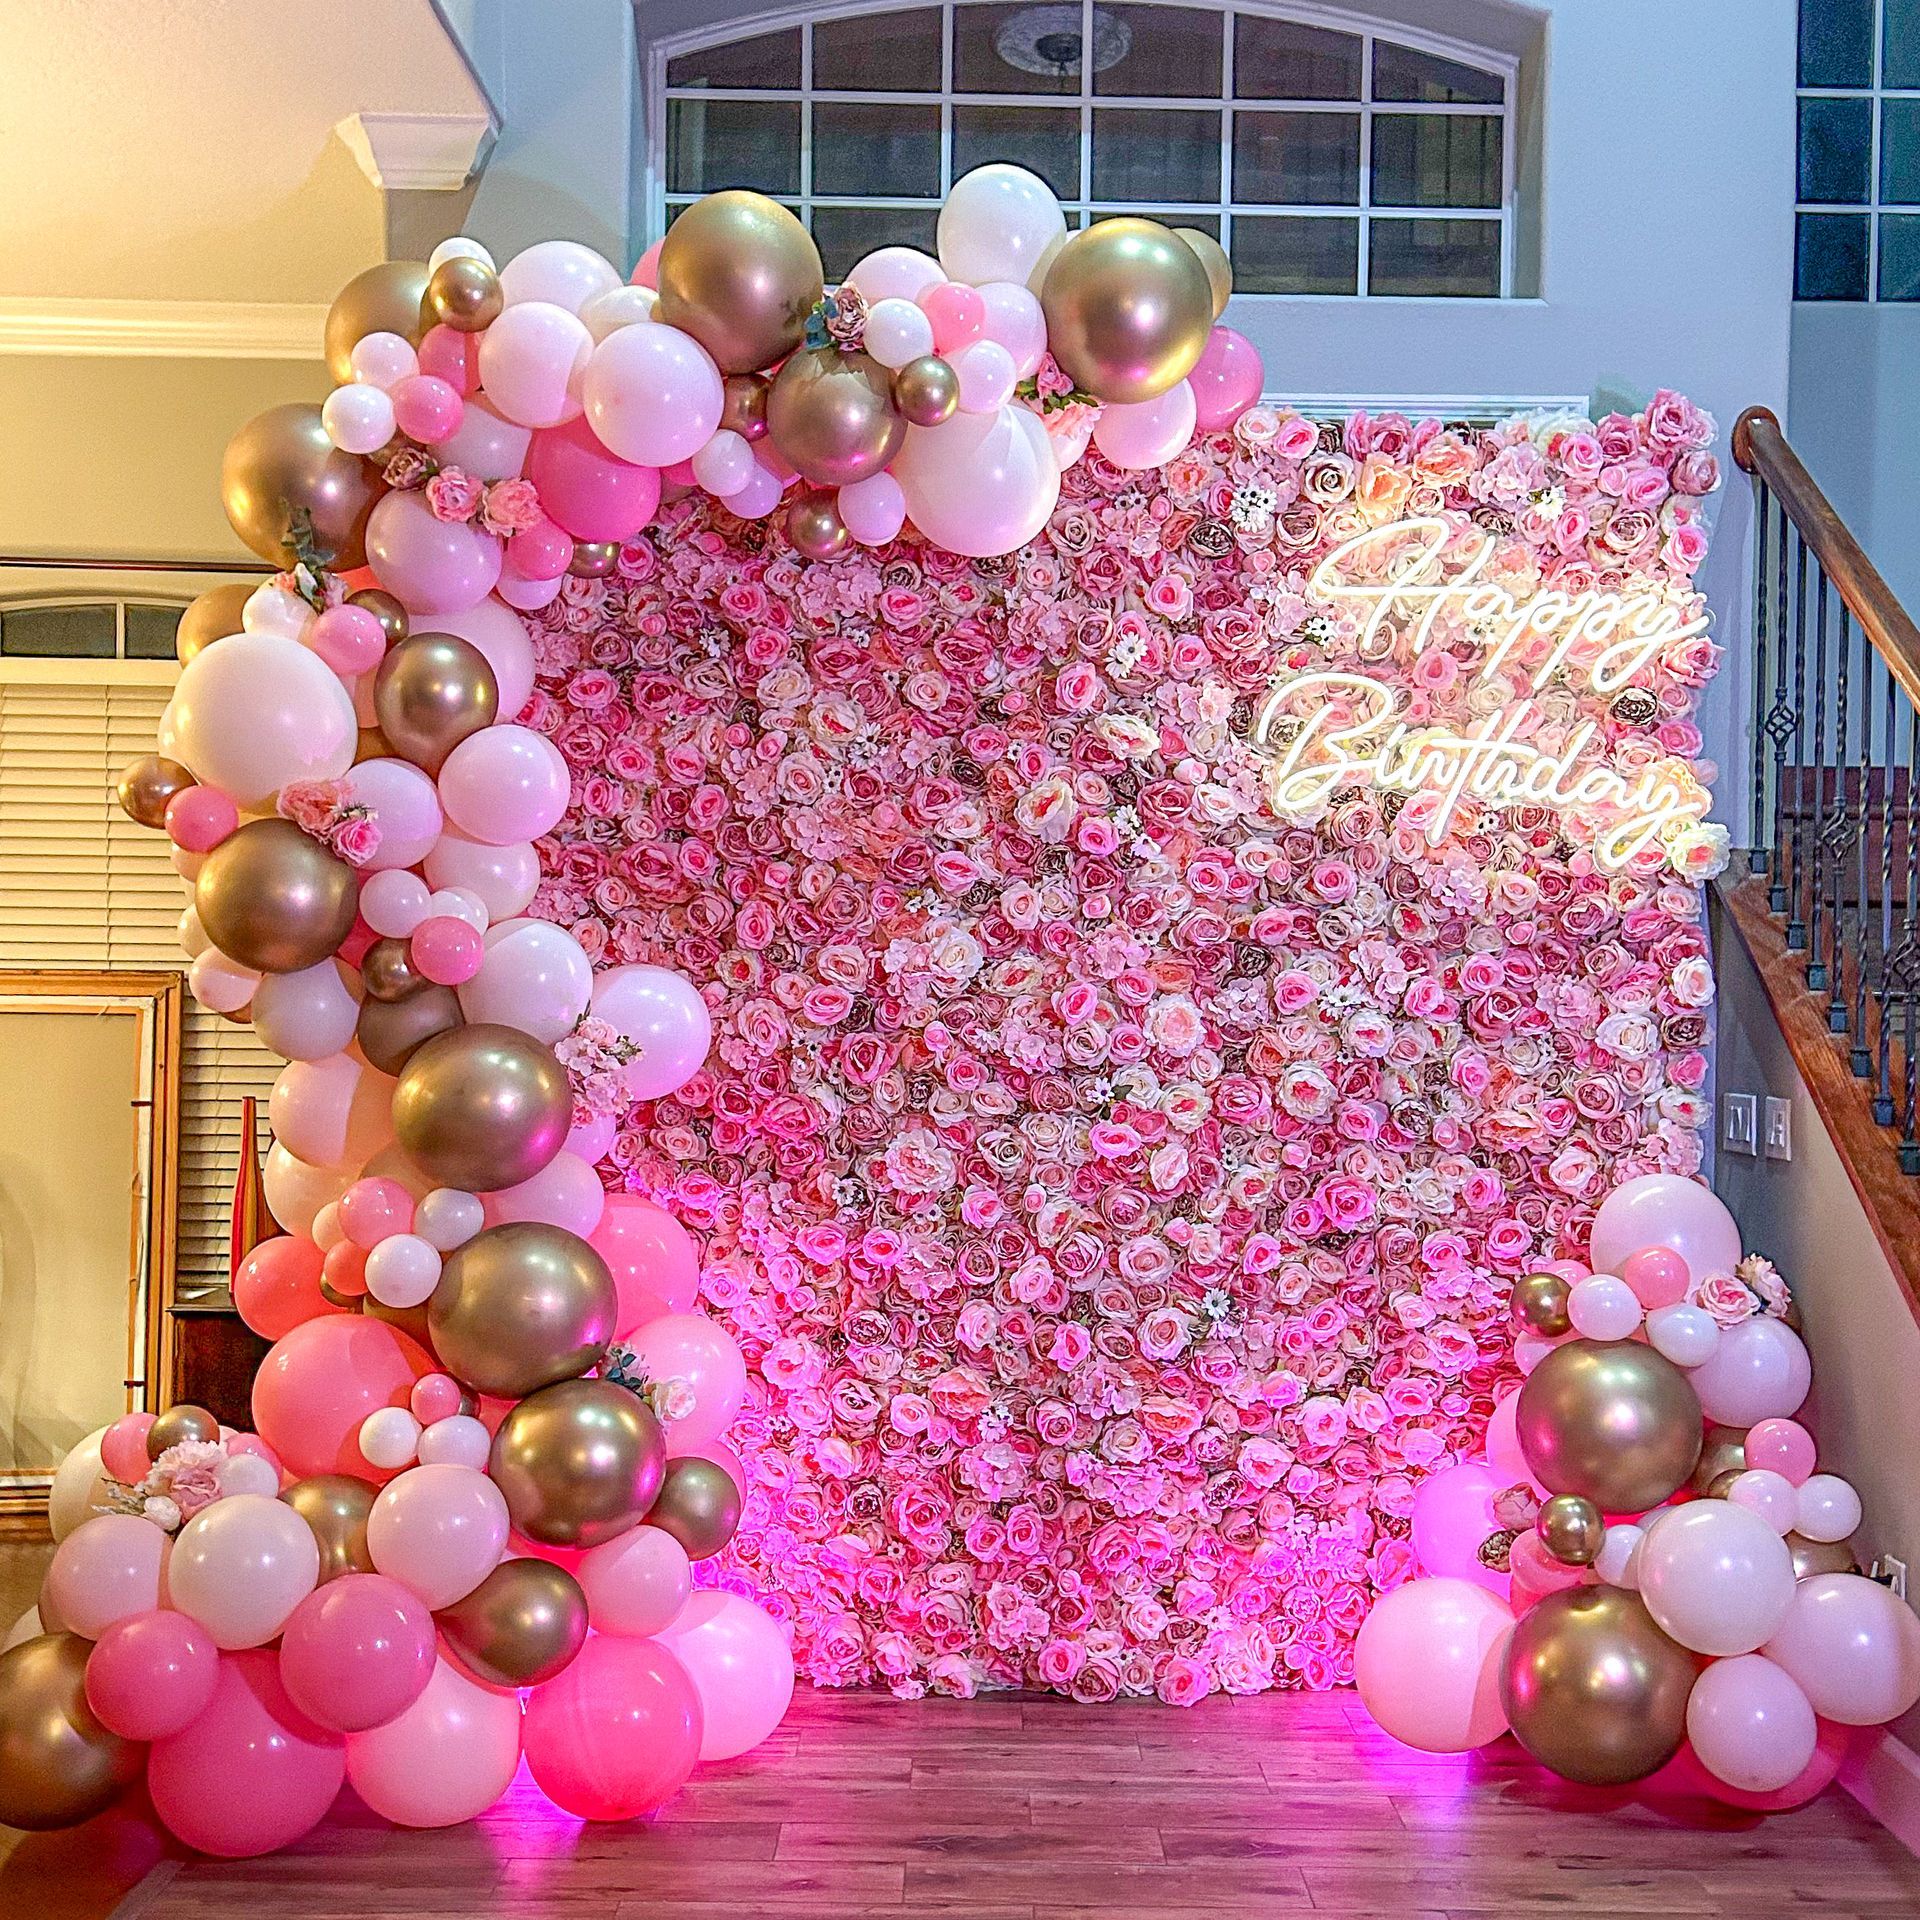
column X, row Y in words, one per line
column 1328, row 156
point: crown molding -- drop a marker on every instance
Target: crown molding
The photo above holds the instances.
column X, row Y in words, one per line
column 161, row 329
column 418, row 152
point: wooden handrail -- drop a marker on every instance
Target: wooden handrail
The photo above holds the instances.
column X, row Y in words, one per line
column 1761, row 448
column 118, row 563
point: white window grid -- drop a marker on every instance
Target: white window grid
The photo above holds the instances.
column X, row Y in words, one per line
column 1083, row 207
column 1873, row 206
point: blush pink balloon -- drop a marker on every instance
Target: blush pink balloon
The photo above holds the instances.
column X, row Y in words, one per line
column 1427, row 1663
column 635, row 1584
column 874, row 509
column 741, row 1665
column 1226, row 379
column 566, row 1192
column 152, row 1674
column 505, row 784
column 653, row 395
column 958, row 314
column 107, row 1568
column 1657, row 1275
column 1015, row 320
column 429, row 565
column 690, row 1347
column 1452, row 1517
column 532, row 360
column 436, row 1397
column 404, row 806
column 123, row 1448
column 447, row 951
column 646, row 270
column 1665, row 1210
column 486, row 444
column 617, row 1733
column 252, row 1773
column 199, row 818
column 322, row 1379
column 357, row 1652
column 439, row 1530
column 448, row 1756
column 503, row 878
column 427, row 408
column 589, row 491
column 660, row 1012
column 348, row 638
column 373, row 1208
column 452, row 356
column 1784, row 1447
column 543, row 551
column 654, row 1263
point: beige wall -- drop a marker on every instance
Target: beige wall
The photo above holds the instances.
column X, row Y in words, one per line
column 1859, row 1325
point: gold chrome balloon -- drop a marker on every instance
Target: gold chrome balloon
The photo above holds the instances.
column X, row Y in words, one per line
column 147, row 784
column 594, row 559
column 579, row 1463
column 58, row 1764
column 335, row 1506
column 1610, row 1420
column 481, row 1108
column 282, row 478
column 1593, row 1689
column 384, row 299
column 430, row 692
column 698, row 1504
column 384, row 608
column 1571, row 1529
column 829, row 414
column 744, row 410
column 1213, row 260
column 1540, row 1304
column 1820, row 1556
column 388, row 973
column 215, row 615
column 815, row 527
column 926, row 391
column 464, row 294
column 1128, row 308
column 741, row 274
column 178, row 1424
column 520, row 1306
column 391, row 1032
column 1722, row 1452
column 273, row 898
column 521, row 1625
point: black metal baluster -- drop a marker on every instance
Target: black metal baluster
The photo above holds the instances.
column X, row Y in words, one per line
column 1883, row 986
column 1860, row 1058
column 1757, row 794
column 1779, row 731
column 1796, row 866
column 1817, row 974
column 1836, row 827
column 1903, row 965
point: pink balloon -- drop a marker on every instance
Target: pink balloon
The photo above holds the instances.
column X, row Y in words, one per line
column 1427, row 1663
column 1657, row 1275
column 486, row 444
column 653, row 395
column 405, row 808
column 107, row 1568
column 454, row 357
column 427, row 408
column 430, row 565
column 1452, row 1517
column 1750, row 1725
column 152, row 1674
column 532, row 360
column 690, row 1347
column 199, row 818
column 1759, row 1371
column 252, row 1773
column 741, row 1666
column 502, row 636
column 543, row 551
column 123, row 1448
column 958, row 313
column 436, row 1397
column 1226, row 379
column 278, row 1287
column 986, row 374
column 651, row 1255
column 1665, row 1210
column 373, row 1208
column 874, row 509
column 439, row 1530
column 718, row 1451
column 1684, row 1774
column 566, row 1192
column 1509, row 1464
column 505, row 784
column 646, row 270
column 322, row 1379
column 617, row 1733
column 1149, row 433
column 1781, row 1446
column 357, row 1652
column 448, row 1756
column 637, row 1583
column 662, row 1013
column 759, row 496
column 1014, row 319
column 590, row 492
column 446, row 950
column 348, row 638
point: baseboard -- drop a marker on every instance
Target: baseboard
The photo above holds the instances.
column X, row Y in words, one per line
column 1884, row 1776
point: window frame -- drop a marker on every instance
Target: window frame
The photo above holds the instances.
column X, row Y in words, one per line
column 1369, row 29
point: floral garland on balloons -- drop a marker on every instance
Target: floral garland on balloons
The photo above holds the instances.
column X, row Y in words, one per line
column 1647, row 1580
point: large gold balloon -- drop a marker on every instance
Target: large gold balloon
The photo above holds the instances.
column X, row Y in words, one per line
column 1128, row 309
column 1540, row 1304
column 744, row 411
column 1610, row 1420
column 58, row 1764
column 273, row 898
column 1214, row 263
column 1593, row 1689
column 1571, row 1529
column 927, row 391
column 1820, row 1556
column 335, row 1506
column 829, row 413
column 579, row 1463
column 741, row 274
column 698, row 1504
column 521, row 1306
column 521, row 1625
column 815, row 527
column 481, row 1108
column 147, row 784
column 464, row 294
column 384, row 299
column 1723, row 1451
column 430, row 692
column 391, row 1032
column 281, row 476
column 215, row 615
column 178, row 1424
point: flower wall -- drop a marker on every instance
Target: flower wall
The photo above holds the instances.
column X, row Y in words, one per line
column 1117, row 1188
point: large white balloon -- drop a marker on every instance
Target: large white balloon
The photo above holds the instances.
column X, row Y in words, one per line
column 1750, row 1724
column 503, row 879
column 562, row 272
column 1715, row 1576
column 1853, row 1647
column 653, row 395
column 1758, row 1371
column 256, row 711
column 981, row 483
column 76, row 1486
column 297, row 1190
column 1147, row 433
column 334, row 1112
column 532, row 361
column 534, row 976
column 306, row 1015
column 997, row 224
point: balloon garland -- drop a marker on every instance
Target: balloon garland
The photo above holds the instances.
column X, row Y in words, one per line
column 1646, row 1579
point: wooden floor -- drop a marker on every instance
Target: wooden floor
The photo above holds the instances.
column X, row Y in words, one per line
column 1023, row 1808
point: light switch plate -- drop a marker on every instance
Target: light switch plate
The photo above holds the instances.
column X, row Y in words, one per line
column 1778, row 1138
column 1740, row 1122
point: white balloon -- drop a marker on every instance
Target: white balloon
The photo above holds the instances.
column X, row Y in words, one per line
column 502, row 879
column 1853, row 1646
column 1618, row 1561
column 192, row 935
column 76, row 1487
column 534, row 976
column 405, row 806
column 219, row 984
column 997, row 223
column 335, row 1112
column 240, row 1566
column 653, row 395
column 256, row 711
column 1147, row 433
column 1015, row 319
column 447, row 1218
column 358, row 418
column 383, row 360
column 277, row 611
column 1602, row 1306
column 402, row 1271
column 394, row 902
column 618, row 307
column 1688, row 1336
column 458, row 903
column 389, row 1437
column 1825, row 1507
column 566, row 1192
column 29, row 1626
column 307, row 1015
column 759, row 496
column 894, row 273
column 297, row 1190
column 725, row 464
column 873, row 510
column 533, row 360
column 247, row 1473
column 1770, row 1495
column 457, row 1441
column 1714, row 1576
column 979, row 484
column 898, row 331
column 327, row 1230
column 560, row 271
column 528, row 596
column 1750, row 1724
column 1759, row 1371
column 986, row 375
column 461, row 247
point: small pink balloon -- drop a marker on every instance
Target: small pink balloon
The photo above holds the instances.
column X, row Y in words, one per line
column 1226, row 380
column 446, row 950
column 357, row 1652
column 375, row 1207
column 449, row 355
column 348, row 638
column 646, row 270
column 680, row 474
column 199, row 818
column 427, row 408
column 108, row 1567
column 1784, row 1447
column 123, row 1448
column 1452, row 1518
column 1657, row 1275
column 152, row 1674
column 958, row 313
column 540, row 552
column 437, row 1397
